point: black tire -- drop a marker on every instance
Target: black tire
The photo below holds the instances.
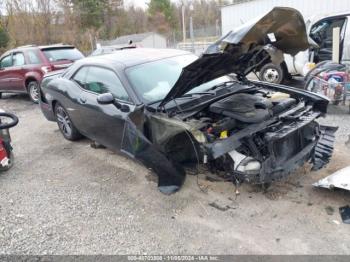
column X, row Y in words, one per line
column 33, row 91
column 7, row 125
column 0, row 95
column 65, row 124
column 11, row 161
column 272, row 73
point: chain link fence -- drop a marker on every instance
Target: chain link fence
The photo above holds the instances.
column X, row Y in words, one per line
column 202, row 38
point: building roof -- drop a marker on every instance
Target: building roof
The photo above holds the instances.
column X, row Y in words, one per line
column 123, row 40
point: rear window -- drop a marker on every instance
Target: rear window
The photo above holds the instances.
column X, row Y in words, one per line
column 61, row 54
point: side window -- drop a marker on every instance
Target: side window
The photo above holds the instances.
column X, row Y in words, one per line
column 6, row 62
column 18, row 59
column 100, row 80
column 323, row 31
column 33, row 57
column 80, row 76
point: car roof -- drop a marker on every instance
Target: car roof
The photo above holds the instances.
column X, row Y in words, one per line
column 31, row 47
column 134, row 56
column 55, row 46
column 316, row 18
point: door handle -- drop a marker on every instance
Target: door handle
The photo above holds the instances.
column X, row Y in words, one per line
column 82, row 100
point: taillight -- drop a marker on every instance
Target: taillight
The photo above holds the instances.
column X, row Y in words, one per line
column 46, row 69
column 3, row 154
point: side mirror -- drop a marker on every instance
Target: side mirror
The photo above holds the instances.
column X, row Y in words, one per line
column 105, row 99
column 108, row 98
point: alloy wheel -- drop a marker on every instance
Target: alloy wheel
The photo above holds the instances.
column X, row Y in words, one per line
column 34, row 91
column 64, row 122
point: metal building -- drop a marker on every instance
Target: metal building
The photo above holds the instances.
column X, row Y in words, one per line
column 236, row 14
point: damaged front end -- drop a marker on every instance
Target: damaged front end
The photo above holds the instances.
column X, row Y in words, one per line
column 258, row 135
column 247, row 131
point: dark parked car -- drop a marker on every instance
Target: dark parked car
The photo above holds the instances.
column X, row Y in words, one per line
column 170, row 109
column 22, row 69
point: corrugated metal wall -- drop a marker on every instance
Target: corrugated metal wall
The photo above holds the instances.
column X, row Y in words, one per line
column 234, row 15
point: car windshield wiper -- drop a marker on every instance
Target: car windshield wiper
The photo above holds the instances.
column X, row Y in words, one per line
column 197, row 93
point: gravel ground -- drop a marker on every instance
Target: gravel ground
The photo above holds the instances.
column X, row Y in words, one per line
column 67, row 198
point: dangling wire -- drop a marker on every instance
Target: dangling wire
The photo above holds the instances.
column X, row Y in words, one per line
column 194, row 148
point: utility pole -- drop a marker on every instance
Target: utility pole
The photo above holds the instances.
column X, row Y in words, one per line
column 191, row 27
column 183, row 23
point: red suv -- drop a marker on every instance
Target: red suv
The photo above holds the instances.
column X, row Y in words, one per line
column 22, row 69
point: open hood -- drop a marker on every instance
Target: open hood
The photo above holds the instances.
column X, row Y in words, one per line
column 282, row 30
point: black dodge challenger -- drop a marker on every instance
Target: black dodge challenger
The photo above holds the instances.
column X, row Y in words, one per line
column 170, row 109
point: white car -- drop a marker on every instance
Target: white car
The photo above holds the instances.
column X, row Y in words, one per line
column 320, row 30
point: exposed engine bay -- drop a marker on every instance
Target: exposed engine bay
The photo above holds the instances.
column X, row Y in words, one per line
column 257, row 135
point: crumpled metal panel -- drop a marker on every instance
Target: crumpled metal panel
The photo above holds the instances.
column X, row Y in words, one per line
column 171, row 176
column 339, row 179
column 283, row 27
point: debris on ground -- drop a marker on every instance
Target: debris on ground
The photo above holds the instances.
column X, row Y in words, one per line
column 220, row 207
column 151, row 177
column 339, row 179
column 336, row 222
column 329, row 210
column 96, row 145
column 345, row 214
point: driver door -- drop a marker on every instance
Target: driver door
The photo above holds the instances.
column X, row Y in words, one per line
column 101, row 123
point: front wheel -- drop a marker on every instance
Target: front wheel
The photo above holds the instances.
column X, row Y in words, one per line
column 65, row 124
column 33, row 91
column 271, row 73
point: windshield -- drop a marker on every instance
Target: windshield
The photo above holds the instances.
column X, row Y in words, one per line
column 153, row 81
column 60, row 54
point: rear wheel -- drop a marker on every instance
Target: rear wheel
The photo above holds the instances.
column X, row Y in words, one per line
column 33, row 91
column 65, row 124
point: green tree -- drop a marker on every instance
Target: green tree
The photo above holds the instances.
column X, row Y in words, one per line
column 90, row 12
column 162, row 15
column 4, row 38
